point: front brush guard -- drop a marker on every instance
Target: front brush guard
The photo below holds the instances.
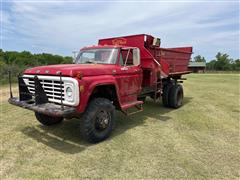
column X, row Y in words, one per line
column 49, row 109
column 38, row 101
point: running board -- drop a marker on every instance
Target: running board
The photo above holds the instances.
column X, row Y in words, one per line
column 139, row 108
column 131, row 104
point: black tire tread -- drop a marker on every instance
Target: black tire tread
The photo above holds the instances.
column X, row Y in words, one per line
column 165, row 95
column 173, row 95
column 143, row 99
column 48, row 120
column 86, row 128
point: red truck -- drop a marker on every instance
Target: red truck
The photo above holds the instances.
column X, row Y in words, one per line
column 117, row 74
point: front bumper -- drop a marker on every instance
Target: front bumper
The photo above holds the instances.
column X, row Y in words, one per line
column 49, row 109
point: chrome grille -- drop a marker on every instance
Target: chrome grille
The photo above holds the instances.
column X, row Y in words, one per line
column 52, row 88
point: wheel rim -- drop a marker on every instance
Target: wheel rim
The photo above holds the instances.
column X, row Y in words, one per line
column 102, row 120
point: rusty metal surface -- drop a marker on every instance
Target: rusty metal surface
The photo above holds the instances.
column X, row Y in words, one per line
column 50, row 109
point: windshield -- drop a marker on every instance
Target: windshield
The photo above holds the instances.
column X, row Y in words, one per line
column 97, row 56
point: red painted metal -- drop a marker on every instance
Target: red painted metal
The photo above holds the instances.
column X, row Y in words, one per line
column 168, row 62
column 172, row 60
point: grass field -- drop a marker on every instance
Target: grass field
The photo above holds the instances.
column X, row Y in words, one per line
column 198, row 141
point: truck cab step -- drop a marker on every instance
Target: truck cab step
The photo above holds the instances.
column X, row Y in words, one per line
column 131, row 104
column 137, row 105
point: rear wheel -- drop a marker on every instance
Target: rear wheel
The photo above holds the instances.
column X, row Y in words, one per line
column 48, row 120
column 142, row 99
column 165, row 95
column 98, row 120
column 176, row 96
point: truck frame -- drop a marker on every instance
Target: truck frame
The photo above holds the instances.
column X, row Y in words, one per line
column 117, row 74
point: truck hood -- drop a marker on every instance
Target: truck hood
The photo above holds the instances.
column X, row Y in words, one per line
column 72, row 69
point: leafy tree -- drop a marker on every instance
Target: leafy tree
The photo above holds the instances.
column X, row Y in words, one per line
column 18, row 61
column 223, row 62
column 236, row 65
column 211, row 65
column 199, row 58
column 1, row 56
column 67, row 60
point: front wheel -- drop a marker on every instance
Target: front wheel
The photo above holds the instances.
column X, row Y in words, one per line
column 98, row 120
column 48, row 120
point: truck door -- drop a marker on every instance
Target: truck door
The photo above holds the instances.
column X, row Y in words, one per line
column 129, row 75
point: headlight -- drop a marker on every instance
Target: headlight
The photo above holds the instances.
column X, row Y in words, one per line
column 69, row 92
column 69, row 96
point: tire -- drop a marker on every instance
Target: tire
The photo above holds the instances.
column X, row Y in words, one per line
column 48, row 120
column 176, row 96
column 142, row 99
column 165, row 95
column 98, row 120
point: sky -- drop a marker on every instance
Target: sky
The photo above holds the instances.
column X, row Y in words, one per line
column 60, row 27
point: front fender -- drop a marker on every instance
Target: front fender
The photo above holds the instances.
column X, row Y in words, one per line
column 89, row 84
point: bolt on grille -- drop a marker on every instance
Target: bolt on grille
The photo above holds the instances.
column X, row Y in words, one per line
column 52, row 88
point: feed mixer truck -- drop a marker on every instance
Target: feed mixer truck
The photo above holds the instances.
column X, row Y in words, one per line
column 117, row 74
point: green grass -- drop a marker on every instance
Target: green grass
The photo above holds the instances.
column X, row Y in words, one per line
column 198, row 141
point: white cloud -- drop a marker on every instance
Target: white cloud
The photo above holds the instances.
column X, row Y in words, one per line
column 60, row 27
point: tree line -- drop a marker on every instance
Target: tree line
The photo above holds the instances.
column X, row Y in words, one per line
column 16, row 62
column 222, row 62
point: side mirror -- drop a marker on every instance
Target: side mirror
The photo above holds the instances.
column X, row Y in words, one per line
column 74, row 56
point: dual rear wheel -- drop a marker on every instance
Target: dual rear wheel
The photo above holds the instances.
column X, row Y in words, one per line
column 172, row 95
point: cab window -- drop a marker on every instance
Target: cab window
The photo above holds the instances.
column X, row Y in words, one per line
column 129, row 57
